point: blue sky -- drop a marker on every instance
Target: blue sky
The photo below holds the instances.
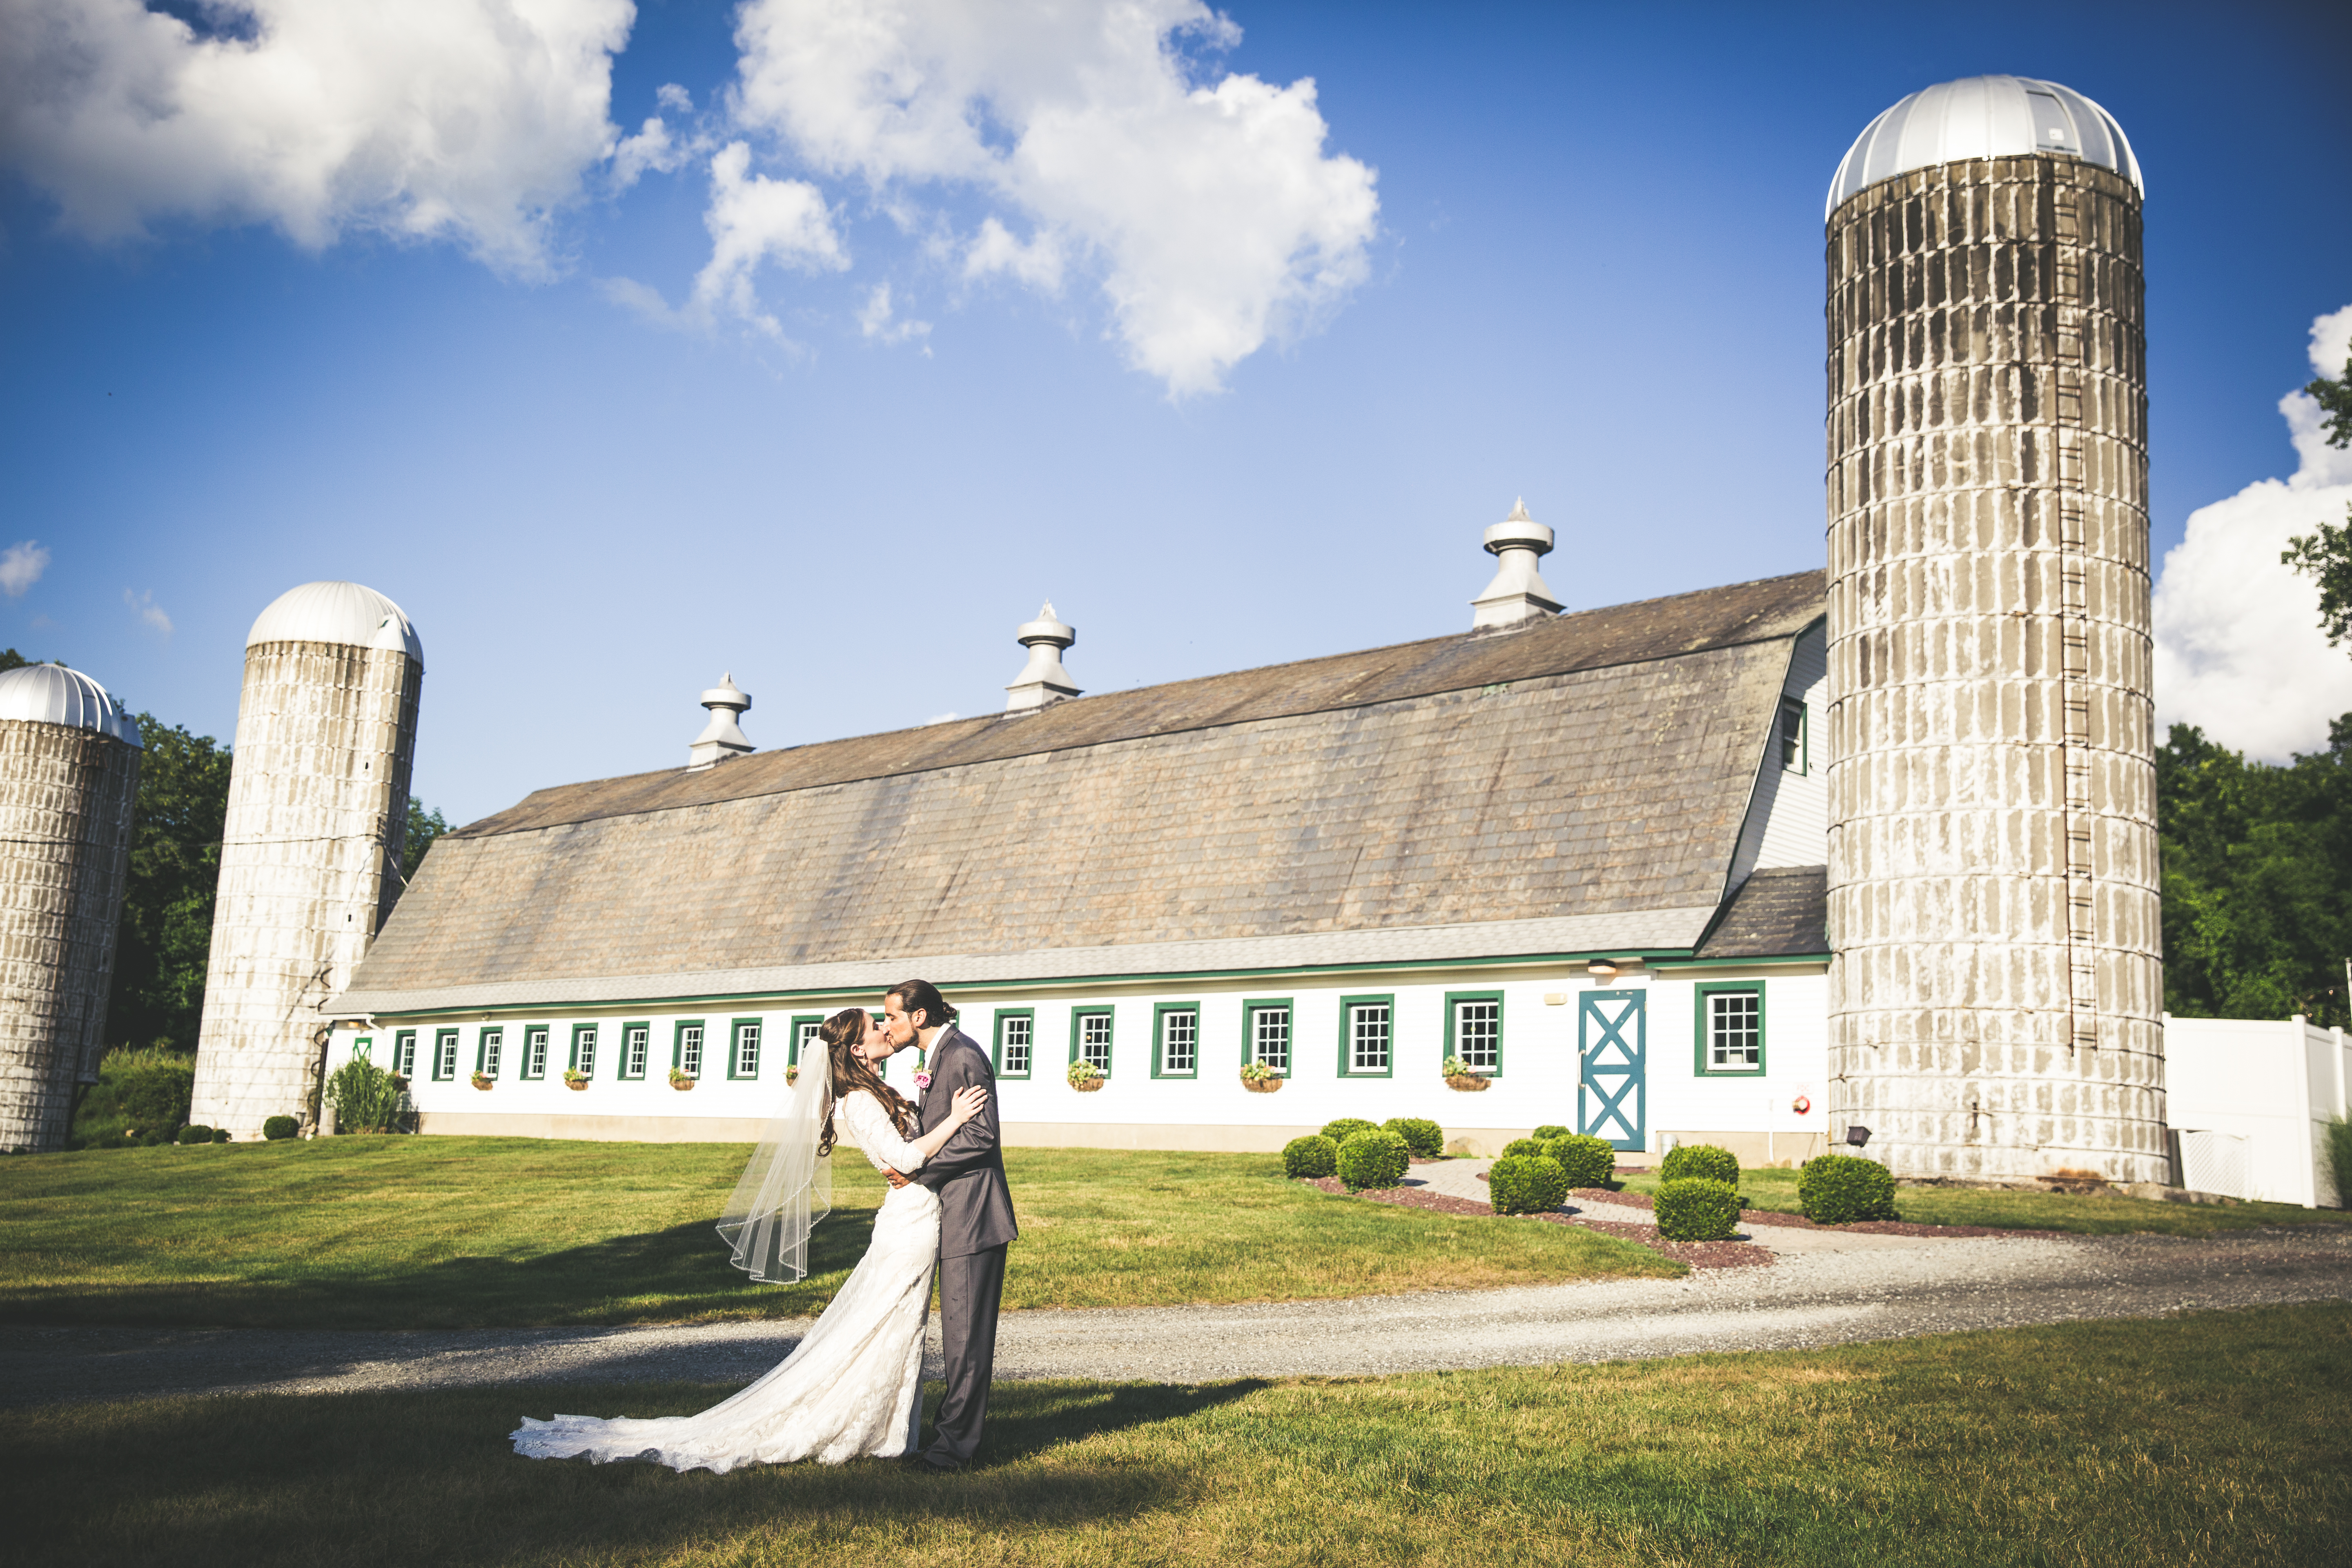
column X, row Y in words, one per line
column 1592, row 278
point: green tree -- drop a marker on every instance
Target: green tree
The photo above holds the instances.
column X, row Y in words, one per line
column 11, row 660
column 424, row 827
column 165, row 937
column 2326, row 557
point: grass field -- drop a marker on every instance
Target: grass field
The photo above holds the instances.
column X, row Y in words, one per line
column 483, row 1232
column 2211, row 1439
column 1776, row 1191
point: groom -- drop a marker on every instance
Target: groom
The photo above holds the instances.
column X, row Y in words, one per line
column 975, row 1212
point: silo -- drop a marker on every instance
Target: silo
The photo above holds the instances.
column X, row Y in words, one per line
column 1995, row 998
column 318, row 810
column 69, row 771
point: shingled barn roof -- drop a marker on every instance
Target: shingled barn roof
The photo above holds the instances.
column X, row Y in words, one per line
column 1575, row 785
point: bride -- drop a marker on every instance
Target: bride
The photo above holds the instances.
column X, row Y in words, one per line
column 851, row 1389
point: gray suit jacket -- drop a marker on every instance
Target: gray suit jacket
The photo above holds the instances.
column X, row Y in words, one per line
column 975, row 1205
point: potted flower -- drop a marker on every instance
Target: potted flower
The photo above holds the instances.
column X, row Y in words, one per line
column 483, row 1080
column 1460, row 1076
column 574, row 1079
column 1085, row 1076
column 1260, row 1078
column 793, row 1074
column 681, row 1079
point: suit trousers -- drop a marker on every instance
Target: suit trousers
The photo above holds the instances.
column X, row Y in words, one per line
column 972, row 1288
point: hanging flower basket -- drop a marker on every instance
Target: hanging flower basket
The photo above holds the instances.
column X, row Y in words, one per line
column 1259, row 1078
column 1462, row 1079
column 680, row 1080
column 574, row 1079
column 1085, row 1076
column 793, row 1074
column 484, row 1081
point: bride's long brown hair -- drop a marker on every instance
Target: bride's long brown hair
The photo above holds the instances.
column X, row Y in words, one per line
column 841, row 1034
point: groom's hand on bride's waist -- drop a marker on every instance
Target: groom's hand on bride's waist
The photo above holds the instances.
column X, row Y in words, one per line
column 893, row 1177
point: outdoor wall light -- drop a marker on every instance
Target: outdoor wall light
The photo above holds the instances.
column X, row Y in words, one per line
column 1601, row 969
column 1857, row 1136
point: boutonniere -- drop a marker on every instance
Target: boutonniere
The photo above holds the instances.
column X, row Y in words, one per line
column 922, row 1082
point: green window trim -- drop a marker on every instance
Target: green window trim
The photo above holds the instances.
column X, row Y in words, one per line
column 445, row 1055
column 364, row 1047
column 792, row 1046
column 645, row 1062
column 487, row 1036
column 1348, row 1005
column 538, row 1043
column 586, row 1032
column 1160, row 1011
column 1251, row 1007
column 404, row 1053
column 1703, row 1018
column 735, row 1048
column 1452, row 1014
column 1077, row 1025
column 997, row 1028
column 678, row 1048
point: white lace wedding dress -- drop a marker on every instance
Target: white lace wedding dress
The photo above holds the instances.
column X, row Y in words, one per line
column 848, row 1391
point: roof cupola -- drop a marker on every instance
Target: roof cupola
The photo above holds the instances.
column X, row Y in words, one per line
column 721, row 738
column 1043, row 680
column 1518, row 592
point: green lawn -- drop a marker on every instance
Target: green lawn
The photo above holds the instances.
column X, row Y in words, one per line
column 1776, row 1191
column 2213, row 1440
column 467, row 1232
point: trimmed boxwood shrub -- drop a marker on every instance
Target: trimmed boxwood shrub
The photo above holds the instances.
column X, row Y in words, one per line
column 1526, row 1183
column 1551, row 1130
column 1700, row 1160
column 1838, row 1189
column 1521, row 1149
column 279, row 1127
column 1313, row 1155
column 195, row 1133
column 1697, row 1208
column 1373, row 1158
column 220, row 1135
column 1424, row 1137
column 1589, row 1162
column 1347, row 1127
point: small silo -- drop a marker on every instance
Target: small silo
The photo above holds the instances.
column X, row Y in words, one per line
column 318, row 810
column 69, row 771
column 1995, row 1001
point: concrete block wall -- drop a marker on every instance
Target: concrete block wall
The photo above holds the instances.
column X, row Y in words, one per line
column 65, row 795
column 1994, row 1006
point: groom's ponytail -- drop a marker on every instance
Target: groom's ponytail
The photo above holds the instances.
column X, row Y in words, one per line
column 922, row 996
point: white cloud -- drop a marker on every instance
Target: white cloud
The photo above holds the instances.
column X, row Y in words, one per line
column 754, row 219
column 875, row 320
column 470, row 119
column 21, row 565
column 653, row 147
column 149, row 611
column 1215, row 219
column 2239, row 651
column 671, row 96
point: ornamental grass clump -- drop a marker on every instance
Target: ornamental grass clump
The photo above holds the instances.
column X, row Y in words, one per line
column 1309, row 1157
column 1425, row 1138
column 366, row 1098
column 1526, row 1183
column 1347, row 1127
column 1697, row 1208
column 1373, row 1158
column 1700, row 1160
column 1589, row 1162
column 1838, row 1189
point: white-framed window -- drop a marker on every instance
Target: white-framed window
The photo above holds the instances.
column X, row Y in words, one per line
column 688, row 1056
column 637, row 1045
column 404, row 1053
column 583, row 1051
column 1793, row 735
column 1367, row 1036
column 487, row 1055
column 1180, row 1042
column 1016, row 1035
column 444, row 1054
column 534, row 1051
column 1734, row 1024
column 1269, row 1035
column 1478, row 1033
column 746, row 1048
column 1093, row 1039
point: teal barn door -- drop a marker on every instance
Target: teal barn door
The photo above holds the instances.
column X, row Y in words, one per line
column 1613, row 1043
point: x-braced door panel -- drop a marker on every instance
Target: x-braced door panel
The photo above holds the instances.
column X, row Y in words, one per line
column 1612, row 1044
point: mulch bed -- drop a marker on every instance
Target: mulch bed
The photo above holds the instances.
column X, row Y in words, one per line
column 1696, row 1254
column 1798, row 1222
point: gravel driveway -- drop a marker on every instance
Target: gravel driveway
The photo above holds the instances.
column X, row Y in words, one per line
column 1902, row 1287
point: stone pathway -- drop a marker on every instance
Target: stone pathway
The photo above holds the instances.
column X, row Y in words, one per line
column 1805, row 1299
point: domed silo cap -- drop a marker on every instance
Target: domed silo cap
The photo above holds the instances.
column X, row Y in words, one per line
column 52, row 694
column 1982, row 117
column 346, row 613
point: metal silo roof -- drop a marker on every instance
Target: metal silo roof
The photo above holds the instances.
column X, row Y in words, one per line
column 344, row 613
column 1983, row 117
column 52, row 694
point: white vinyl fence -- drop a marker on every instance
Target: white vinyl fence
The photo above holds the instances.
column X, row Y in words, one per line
column 2250, row 1102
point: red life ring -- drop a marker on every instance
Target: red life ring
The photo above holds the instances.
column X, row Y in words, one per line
column 1802, row 1104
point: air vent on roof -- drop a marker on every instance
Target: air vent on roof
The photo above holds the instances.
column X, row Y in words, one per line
column 720, row 738
column 1517, row 593
column 1043, row 680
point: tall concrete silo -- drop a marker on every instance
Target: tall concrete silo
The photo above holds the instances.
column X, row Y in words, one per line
column 1995, row 1003
column 318, row 810
column 69, row 771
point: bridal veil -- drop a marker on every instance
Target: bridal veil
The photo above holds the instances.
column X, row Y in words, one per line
column 786, row 1188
